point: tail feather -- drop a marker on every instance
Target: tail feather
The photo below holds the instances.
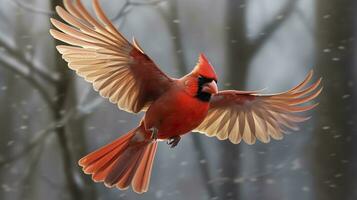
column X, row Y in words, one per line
column 103, row 169
column 142, row 177
column 126, row 177
column 127, row 160
column 124, row 164
column 94, row 156
column 101, row 159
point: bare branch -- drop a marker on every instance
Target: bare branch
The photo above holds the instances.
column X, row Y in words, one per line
column 125, row 9
column 52, row 183
column 89, row 107
column 29, row 172
column 30, row 80
column 143, row 3
column 308, row 24
column 32, row 9
column 270, row 28
column 16, row 55
column 122, row 11
column 38, row 139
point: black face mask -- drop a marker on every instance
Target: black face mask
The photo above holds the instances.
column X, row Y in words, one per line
column 203, row 96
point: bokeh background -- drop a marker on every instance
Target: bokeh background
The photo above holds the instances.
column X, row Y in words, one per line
column 49, row 118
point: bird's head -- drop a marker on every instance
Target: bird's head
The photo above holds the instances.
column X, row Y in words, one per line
column 202, row 80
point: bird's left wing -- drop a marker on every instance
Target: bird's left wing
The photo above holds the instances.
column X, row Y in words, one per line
column 237, row 115
column 97, row 51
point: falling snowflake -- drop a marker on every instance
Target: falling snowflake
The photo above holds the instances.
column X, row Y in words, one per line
column 335, row 59
column 159, row 194
column 305, row 189
column 6, row 188
column 280, row 17
column 270, row 181
column 296, row 164
column 11, row 142
column 326, row 16
column 239, row 180
column 345, row 96
column 183, row 163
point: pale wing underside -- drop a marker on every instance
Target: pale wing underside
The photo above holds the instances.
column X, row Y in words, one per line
column 98, row 52
column 237, row 116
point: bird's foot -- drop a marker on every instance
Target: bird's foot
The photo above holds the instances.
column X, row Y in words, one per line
column 173, row 141
column 154, row 132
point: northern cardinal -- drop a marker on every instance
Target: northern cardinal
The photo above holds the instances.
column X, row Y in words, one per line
column 123, row 73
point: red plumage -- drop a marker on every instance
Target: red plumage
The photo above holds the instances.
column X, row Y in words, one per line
column 126, row 160
column 123, row 73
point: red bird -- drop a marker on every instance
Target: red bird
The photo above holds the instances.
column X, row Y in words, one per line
column 123, row 73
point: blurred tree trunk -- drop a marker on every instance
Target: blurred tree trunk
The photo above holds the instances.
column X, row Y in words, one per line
column 77, row 137
column 237, row 62
column 333, row 144
column 240, row 53
column 238, row 49
column 61, row 107
column 28, row 182
column 7, row 127
column 7, row 124
column 353, row 76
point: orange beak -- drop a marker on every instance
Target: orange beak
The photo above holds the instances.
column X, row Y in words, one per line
column 210, row 87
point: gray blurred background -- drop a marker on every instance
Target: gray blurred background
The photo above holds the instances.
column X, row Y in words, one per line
column 49, row 118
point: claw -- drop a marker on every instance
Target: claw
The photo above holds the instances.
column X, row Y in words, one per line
column 173, row 141
column 154, row 132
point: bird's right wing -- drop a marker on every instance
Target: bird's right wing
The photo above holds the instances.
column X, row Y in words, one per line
column 97, row 51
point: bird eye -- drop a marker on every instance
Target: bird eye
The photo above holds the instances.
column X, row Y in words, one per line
column 201, row 78
column 205, row 80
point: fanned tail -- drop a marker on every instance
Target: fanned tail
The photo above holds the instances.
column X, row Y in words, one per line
column 127, row 160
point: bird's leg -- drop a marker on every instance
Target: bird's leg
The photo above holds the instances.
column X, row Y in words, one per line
column 173, row 141
column 154, row 132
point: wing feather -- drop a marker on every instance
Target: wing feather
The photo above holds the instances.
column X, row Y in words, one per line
column 100, row 54
column 250, row 116
column 233, row 133
column 221, row 130
column 241, row 119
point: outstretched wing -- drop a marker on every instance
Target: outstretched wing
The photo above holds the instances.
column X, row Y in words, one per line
column 237, row 115
column 97, row 51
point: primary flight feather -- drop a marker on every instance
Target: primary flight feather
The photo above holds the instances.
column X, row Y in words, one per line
column 121, row 72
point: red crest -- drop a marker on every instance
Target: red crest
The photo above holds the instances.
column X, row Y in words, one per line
column 204, row 68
